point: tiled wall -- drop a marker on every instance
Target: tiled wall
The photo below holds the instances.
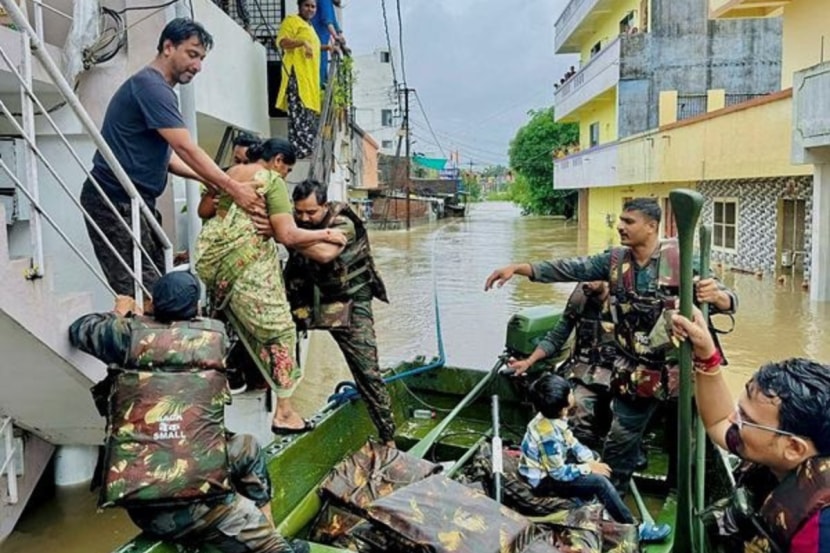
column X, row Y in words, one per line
column 758, row 217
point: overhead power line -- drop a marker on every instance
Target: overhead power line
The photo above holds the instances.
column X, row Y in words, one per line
column 389, row 43
column 429, row 125
column 400, row 40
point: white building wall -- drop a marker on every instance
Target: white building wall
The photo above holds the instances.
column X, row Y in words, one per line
column 373, row 93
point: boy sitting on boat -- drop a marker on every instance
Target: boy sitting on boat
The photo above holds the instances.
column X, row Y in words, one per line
column 548, row 446
column 779, row 421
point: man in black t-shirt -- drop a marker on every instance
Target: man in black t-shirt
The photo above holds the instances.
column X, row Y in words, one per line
column 143, row 127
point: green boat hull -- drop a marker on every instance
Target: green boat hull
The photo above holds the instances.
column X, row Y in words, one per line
column 298, row 464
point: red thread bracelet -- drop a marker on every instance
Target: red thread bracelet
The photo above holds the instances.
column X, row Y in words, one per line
column 712, row 362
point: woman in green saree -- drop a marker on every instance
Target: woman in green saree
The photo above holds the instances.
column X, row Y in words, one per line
column 240, row 267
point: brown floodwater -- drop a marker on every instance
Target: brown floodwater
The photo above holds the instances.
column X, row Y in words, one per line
column 453, row 258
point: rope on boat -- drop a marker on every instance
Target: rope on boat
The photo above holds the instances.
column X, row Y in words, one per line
column 347, row 391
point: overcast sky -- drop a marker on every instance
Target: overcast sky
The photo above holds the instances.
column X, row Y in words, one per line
column 478, row 66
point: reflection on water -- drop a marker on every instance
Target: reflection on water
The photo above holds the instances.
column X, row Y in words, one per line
column 775, row 321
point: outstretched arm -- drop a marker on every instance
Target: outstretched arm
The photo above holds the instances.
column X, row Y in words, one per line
column 714, row 401
column 102, row 335
column 194, row 157
column 287, row 233
column 549, row 346
column 500, row 276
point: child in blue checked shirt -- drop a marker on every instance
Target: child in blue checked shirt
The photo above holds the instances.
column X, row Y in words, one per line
column 546, row 446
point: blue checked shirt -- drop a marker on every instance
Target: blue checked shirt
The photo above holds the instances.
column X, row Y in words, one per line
column 545, row 449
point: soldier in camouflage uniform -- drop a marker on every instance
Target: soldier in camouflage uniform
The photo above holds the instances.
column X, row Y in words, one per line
column 782, row 422
column 331, row 287
column 643, row 284
column 168, row 459
column 588, row 368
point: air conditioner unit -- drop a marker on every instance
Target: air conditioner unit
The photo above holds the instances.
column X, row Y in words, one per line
column 14, row 201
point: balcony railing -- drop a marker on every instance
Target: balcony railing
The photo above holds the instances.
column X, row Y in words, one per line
column 811, row 121
column 725, row 9
column 572, row 18
column 592, row 168
column 597, row 76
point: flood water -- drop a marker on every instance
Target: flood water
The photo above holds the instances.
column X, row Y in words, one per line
column 453, row 258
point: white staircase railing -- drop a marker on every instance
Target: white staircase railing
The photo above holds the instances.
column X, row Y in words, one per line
column 9, row 467
column 32, row 44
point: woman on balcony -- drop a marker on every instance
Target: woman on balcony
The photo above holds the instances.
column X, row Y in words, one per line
column 241, row 270
column 299, row 93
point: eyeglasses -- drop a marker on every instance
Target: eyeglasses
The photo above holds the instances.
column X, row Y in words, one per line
column 740, row 423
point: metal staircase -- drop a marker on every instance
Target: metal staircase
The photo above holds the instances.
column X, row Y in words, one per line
column 44, row 398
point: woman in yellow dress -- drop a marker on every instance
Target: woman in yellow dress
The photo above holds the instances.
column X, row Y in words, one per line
column 241, row 269
column 299, row 93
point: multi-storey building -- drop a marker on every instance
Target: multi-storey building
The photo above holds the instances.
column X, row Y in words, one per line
column 375, row 98
column 643, row 63
column 803, row 137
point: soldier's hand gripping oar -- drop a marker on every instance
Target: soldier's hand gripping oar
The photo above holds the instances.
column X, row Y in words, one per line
column 686, row 206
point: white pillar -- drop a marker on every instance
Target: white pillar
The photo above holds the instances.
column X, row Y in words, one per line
column 820, row 263
column 74, row 464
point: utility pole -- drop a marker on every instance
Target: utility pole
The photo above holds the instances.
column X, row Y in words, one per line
column 406, row 92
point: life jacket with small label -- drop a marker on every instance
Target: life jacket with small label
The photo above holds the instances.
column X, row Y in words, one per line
column 799, row 496
column 645, row 370
column 594, row 342
column 166, row 441
column 320, row 294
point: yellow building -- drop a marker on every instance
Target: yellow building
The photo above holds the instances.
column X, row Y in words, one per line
column 806, row 140
column 734, row 145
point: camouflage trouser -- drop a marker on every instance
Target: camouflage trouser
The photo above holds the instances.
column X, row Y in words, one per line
column 359, row 347
column 110, row 223
column 591, row 415
column 622, row 450
column 233, row 524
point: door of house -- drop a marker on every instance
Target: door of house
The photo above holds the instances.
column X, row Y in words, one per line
column 792, row 213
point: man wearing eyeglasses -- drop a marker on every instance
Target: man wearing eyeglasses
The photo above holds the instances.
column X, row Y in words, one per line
column 782, row 422
column 331, row 288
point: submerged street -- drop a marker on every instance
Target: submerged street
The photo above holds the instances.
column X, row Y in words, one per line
column 775, row 321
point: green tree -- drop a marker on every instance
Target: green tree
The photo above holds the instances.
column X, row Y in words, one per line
column 531, row 158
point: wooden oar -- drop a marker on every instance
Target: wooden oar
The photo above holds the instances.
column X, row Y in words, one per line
column 686, row 205
column 705, row 238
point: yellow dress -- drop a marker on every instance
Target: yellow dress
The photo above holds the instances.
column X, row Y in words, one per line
column 241, row 270
column 307, row 70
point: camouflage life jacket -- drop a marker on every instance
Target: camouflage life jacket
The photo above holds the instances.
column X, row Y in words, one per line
column 791, row 504
column 646, row 368
column 320, row 294
column 595, row 346
column 166, row 442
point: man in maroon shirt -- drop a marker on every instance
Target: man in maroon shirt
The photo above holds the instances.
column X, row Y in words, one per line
column 781, row 421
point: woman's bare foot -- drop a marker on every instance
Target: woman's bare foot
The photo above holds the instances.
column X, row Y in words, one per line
column 286, row 417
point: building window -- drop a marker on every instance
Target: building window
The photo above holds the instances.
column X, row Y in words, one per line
column 386, row 144
column 386, row 117
column 594, row 134
column 596, row 48
column 725, row 228
column 385, row 56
